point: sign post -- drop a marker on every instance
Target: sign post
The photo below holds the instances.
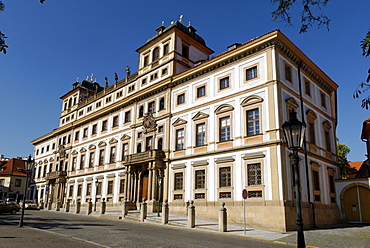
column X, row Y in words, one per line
column 245, row 196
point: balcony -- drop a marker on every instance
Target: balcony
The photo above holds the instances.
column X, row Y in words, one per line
column 56, row 174
column 146, row 156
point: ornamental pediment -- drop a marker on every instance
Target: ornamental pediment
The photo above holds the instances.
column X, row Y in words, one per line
column 179, row 121
column 102, row 143
column 82, row 150
column 200, row 115
column 113, row 141
column 224, row 108
column 292, row 103
column 125, row 137
column 74, row 152
column 91, row 147
column 251, row 100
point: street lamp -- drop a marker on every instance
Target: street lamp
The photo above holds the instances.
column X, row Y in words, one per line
column 159, row 189
column 97, row 183
column 27, row 170
column 294, row 132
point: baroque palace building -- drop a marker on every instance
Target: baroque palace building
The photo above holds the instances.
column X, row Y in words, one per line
column 189, row 127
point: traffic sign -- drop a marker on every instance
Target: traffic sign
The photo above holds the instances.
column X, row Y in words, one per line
column 245, row 194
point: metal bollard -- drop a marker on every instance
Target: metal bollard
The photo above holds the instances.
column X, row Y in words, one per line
column 67, row 206
column 103, row 206
column 191, row 215
column 124, row 208
column 165, row 212
column 57, row 205
column 143, row 210
column 222, row 218
column 78, row 207
column 89, row 207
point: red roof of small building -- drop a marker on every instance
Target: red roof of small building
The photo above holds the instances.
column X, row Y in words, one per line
column 11, row 167
column 356, row 165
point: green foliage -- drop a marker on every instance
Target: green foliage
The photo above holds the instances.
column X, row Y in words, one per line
column 310, row 14
column 342, row 152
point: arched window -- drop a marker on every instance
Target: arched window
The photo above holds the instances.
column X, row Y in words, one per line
column 155, row 54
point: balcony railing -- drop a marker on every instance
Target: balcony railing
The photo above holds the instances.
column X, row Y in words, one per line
column 56, row 174
column 145, row 156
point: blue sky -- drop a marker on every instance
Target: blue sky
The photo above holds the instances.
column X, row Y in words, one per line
column 52, row 44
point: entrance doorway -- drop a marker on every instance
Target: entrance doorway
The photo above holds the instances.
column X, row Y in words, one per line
column 144, row 185
column 357, row 204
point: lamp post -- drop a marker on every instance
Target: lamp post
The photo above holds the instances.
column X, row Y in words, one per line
column 294, row 132
column 27, row 171
column 97, row 183
column 159, row 189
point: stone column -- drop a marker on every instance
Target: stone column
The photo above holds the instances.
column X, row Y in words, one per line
column 165, row 212
column 154, row 184
column 191, row 215
column 49, row 204
column 222, row 218
column 150, row 183
column 143, row 210
column 134, row 198
column 126, row 185
column 57, row 205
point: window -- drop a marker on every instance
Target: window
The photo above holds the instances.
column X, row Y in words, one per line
column 180, row 98
column 98, row 104
column 307, row 87
column 85, row 133
column 2, row 182
column 200, row 179
column 323, row 99
column 153, row 76
column 254, row 174
column 47, row 148
column 155, row 54
column 185, row 50
column 160, row 129
column 88, row 189
column 104, row 125
column 179, row 181
column 146, row 60
column 91, row 160
column 201, row 91
column 141, row 111
column 131, row 88
column 288, row 73
column 332, row 186
column 89, row 108
column 311, row 132
column 119, row 94
column 80, row 113
column 98, row 189
column 101, row 157
column 115, row 121
column 18, row 182
column 143, row 81
column 327, row 140
column 316, row 185
column 225, row 128
column 82, row 161
column 112, row 157
column 122, row 186
column 225, row 177
column 200, row 134
column 149, row 143
column 124, row 151
column 164, row 71
column 77, row 135
column 253, row 125
column 127, row 116
column 110, row 188
column 161, row 103
column 42, row 150
column 151, row 107
column 70, row 190
column 165, row 49
column 94, row 129
column 74, row 163
column 79, row 190
column 108, row 99
column 180, row 139
column 224, row 83
column 160, row 144
column 251, row 73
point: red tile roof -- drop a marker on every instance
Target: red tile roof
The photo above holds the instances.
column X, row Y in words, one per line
column 11, row 167
column 356, row 165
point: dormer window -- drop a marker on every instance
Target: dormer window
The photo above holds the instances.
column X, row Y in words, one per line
column 156, row 54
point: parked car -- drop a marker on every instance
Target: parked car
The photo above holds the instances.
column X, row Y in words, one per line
column 9, row 207
column 29, row 204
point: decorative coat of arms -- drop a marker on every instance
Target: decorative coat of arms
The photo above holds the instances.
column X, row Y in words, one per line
column 149, row 123
column 62, row 151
